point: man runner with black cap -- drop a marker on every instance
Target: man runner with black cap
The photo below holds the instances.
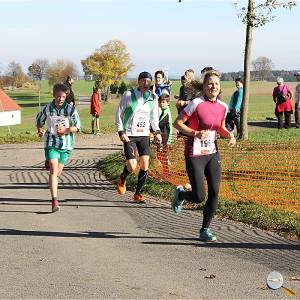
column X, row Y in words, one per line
column 138, row 109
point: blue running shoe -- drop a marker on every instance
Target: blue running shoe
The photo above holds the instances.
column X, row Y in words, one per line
column 176, row 203
column 207, row 236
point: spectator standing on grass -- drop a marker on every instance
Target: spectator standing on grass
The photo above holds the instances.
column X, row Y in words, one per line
column 235, row 105
column 206, row 116
column 161, row 86
column 191, row 89
column 165, row 119
column 297, row 101
column 95, row 109
column 184, row 96
column 282, row 96
column 70, row 98
column 165, row 126
column 63, row 121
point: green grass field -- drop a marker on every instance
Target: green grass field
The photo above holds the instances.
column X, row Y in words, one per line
column 261, row 107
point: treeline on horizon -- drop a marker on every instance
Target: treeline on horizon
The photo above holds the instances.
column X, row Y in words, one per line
column 255, row 76
column 272, row 76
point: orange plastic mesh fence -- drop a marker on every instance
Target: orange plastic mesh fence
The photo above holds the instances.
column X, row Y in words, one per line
column 264, row 173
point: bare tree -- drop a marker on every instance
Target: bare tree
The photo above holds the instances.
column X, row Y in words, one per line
column 60, row 70
column 37, row 71
column 255, row 16
column 15, row 71
column 40, row 72
column 263, row 67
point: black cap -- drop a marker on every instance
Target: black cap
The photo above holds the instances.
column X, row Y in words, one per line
column 145, row 75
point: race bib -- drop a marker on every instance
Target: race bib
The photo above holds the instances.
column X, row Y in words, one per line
column 140, row 121
column 203, row 147
column 57, row 121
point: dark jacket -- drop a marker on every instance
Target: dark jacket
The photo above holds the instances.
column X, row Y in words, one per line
column 165, row 126
column 70, row 98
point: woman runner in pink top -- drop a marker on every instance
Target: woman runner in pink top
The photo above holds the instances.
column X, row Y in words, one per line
column 206, row 118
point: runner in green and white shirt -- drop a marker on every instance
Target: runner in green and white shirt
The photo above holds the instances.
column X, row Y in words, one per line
column 63, row 121
column 138, row 109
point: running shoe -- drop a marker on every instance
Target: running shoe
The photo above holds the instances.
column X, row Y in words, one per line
column 55, row 206
column 121, row 186
column 177, row 203
column 207, row 236
column 139, row 198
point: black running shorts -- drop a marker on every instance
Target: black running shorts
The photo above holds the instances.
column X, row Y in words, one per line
column 141, row 143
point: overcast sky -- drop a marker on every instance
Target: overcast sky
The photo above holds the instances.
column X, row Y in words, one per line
column 159, row 34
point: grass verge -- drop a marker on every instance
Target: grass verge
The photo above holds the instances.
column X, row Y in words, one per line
column 285, row 223
column 17, row 138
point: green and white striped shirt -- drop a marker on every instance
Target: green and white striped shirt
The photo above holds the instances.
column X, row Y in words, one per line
column 136, row 112
column 68, row 114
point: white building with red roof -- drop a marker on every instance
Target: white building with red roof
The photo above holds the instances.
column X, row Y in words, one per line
column 10, row 111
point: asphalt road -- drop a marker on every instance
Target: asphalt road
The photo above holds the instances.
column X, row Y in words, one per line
column 101, row 245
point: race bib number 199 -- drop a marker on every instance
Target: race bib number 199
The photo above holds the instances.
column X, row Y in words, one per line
column 207, row 146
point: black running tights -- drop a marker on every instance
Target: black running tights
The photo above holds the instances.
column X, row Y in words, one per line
column 198, row 168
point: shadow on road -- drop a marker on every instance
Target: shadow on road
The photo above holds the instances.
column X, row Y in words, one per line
column 77, row 203
column 70, row 186
column 126, row 235
column 14, row 232
column 155, row 217
column 238, row 245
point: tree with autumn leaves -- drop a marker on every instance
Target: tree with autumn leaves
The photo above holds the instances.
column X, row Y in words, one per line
column 255, row 15
column 60, row 70
column 108, row 65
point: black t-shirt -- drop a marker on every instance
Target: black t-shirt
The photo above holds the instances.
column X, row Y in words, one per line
column 70, row 98
column 183, row 93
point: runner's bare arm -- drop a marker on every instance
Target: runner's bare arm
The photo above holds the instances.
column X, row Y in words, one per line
column 40, row 131
column 180, row 126
column 223, row 131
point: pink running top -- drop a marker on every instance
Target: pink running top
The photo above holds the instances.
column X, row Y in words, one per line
column 203, row 114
